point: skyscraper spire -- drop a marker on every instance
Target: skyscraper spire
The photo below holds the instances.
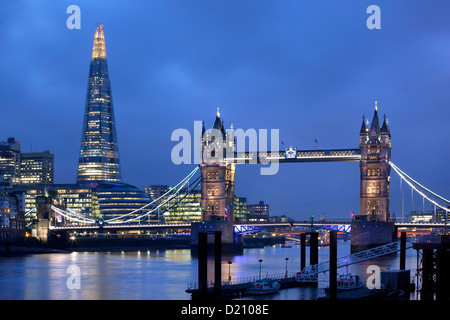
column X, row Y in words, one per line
column 99, row 154
column 99, row 48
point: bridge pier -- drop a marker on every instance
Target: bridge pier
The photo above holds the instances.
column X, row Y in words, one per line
column 302, row 251
column 333, row 265
column 231, row 243
column 313, row 248
column 203, row 265
column 370, row 234
column 402, row 251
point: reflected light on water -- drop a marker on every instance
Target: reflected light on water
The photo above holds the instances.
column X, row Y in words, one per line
column 158, row 274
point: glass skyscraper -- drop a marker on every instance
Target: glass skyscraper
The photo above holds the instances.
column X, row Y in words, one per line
column 99, row 154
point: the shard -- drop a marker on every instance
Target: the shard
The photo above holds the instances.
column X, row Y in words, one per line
column 99, row 154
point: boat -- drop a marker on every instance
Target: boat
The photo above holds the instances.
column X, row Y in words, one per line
column 264, row 286
column 349, row 286
column 347, row 282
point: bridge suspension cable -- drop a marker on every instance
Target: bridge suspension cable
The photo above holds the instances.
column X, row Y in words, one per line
column 73, row 216
column 172, row 197
column 30, row 211
column 171, row 194
column 184, row 187
column 432, row 197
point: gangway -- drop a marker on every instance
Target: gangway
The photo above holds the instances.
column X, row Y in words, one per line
column 311, row 272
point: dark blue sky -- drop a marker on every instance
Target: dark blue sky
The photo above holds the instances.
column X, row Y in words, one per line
column 308, row 68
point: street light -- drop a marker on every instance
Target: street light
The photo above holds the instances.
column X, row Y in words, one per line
column 260, row 262
column 229, row 270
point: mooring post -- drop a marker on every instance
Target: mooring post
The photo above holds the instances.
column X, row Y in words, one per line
column 218, row 264
column 302, row 251
column 313, row 248
column 442, row 269
column 427, row 291
column 333, row 265
column 202, row 264
column 402, row 250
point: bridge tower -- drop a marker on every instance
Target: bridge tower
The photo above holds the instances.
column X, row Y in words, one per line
column 373, row 227
column 217, row 177
column 217, row 185
column 375, row 144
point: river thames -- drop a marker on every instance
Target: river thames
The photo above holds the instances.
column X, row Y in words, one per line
column 162, row 274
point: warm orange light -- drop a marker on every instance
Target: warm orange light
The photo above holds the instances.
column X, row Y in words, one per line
column 414, row 233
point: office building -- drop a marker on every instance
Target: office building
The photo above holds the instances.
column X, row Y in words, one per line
column 10, row 160
column 258, row 212
column 37, row 168
column 25, row 168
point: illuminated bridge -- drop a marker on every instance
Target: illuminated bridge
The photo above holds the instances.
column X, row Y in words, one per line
column 75, row 221
column 217, row 179
column 238, row 228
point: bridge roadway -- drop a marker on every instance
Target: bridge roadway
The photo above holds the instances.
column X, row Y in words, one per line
column 238, row 228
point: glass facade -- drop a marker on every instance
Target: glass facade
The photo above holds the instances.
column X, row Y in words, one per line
column 240, row 209
column 99, row 154
column 117, row 199
column 189, row 208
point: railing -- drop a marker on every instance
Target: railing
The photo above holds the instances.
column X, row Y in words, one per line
column 245, row 280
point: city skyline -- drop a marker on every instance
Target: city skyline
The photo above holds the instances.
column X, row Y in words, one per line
column 175, row 69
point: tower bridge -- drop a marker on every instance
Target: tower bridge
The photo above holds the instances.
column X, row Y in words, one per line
column 373, row 155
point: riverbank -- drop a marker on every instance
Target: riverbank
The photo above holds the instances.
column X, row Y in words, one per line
column 24, row 250
column 104, row 244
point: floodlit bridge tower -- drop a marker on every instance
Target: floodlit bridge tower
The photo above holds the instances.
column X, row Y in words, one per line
column 217, row 177
column 217, row 185
column 373, row 226
column 375, row 144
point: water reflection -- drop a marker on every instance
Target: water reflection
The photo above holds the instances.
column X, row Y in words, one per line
column 158, row 274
